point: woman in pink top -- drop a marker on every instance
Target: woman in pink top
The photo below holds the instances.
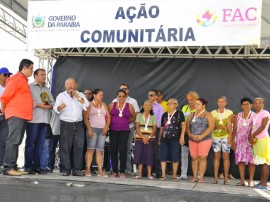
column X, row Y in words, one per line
column 97, row 121
column 259, row 138
column 242, row 150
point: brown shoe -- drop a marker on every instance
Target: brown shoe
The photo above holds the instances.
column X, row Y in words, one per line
column 22, row 172
column 13, row 173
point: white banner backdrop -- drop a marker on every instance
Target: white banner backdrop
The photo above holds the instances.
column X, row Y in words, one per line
column 134, row 23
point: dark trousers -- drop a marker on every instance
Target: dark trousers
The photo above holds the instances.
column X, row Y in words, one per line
column 35, row 147
column 71, row 142
column 3, row 138
column 118, row 143
column 53, row 142
column 16, row 127
column 157, row 164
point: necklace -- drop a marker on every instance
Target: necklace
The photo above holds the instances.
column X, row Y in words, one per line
column 98, row 108
column 245, row 119
column 121, row 110
column 194, row 117
column 221, row 116
column 146, row 123
column 170, row 117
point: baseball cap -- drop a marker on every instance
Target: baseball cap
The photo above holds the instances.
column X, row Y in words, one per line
column 4, row 70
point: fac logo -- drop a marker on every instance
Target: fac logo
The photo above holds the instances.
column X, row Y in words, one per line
column 38, row 21
column 207, row 18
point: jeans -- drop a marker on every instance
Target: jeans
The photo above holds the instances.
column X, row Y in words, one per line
column 184, row 160
column 157, row 163
column 16, row 127
column 129, row 147
column 36, row 148
column 118, row 142
column 71, row 143
column 53, row 142
column 3, row 138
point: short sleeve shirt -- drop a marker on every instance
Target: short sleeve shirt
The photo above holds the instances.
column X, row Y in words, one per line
column 172, row 131
column 152, row 122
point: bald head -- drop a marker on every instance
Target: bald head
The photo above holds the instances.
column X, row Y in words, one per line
column 70, row 83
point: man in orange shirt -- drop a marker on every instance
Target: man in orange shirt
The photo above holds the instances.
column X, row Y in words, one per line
column 17, row 106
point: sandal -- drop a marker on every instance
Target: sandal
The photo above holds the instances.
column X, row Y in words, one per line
column 150, row 177
column 227, row 182
column 175, row 179
column 194, row 180
column 214, row 181
column 122, row 175
column 162, row 178
column 240, row 184
column 102, row 175
column 138, row 177
column 88, row 174
column 114, row 175
column 250, row 184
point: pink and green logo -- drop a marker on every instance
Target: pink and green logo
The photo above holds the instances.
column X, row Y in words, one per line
column 207, row 18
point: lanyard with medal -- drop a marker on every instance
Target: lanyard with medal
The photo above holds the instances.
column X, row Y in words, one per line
column 121, row 110
column 146, row 123
column 98, row 108
column 170, row 117
column 221, row 116
column 245, row 119
column 194, row 117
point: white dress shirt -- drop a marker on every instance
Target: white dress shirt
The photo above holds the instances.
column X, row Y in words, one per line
column 72, row 112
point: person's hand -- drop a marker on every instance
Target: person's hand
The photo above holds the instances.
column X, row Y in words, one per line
column 48, row 106
column 199, row 137
column 63, row 105
column 182, row 141
column 145, row 140
column 193, row 137
column 90, row 133
column 159, row 142
column 104, row 131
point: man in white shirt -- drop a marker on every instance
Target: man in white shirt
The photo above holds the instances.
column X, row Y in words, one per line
column 134, row 103
column 69, row 105
column 4, row 74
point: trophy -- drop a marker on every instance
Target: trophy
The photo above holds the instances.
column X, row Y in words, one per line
column 45, row 97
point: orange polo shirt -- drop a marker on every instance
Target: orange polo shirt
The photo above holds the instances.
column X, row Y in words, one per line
column 17, row 98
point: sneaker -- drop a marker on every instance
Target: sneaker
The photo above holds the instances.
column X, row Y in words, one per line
column 183, row 177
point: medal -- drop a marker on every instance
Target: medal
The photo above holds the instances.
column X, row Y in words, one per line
column 170, row 117
column 244, row 124
column 121, row 110
column 97, row 105
column 194, row 117
column 220, row 115
column 245, row 119
column 99, row 113
column 146, row 122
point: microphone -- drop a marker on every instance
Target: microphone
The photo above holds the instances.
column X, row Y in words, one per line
column 70, row 92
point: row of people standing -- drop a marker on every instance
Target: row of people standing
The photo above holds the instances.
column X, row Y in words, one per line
column 70, row 104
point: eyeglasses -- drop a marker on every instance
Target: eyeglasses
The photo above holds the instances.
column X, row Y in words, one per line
column 6, row 75
column 123, row 88
column 171, row 103
column 151, row 95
